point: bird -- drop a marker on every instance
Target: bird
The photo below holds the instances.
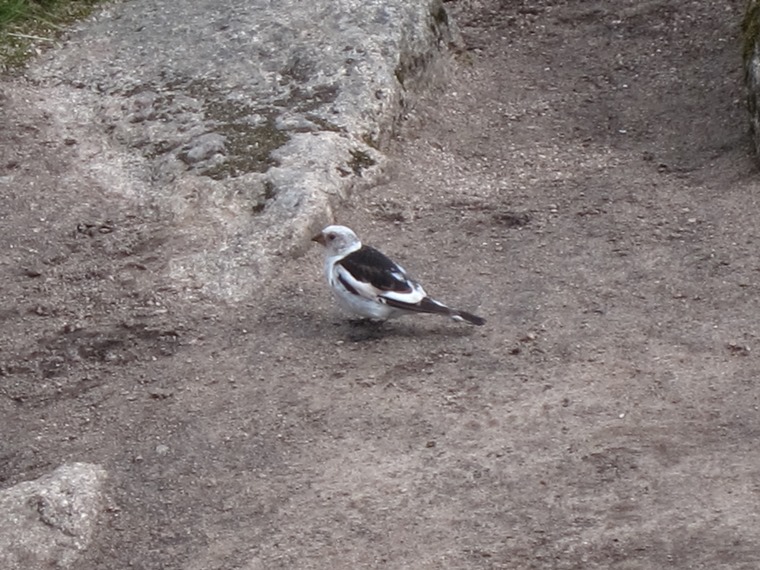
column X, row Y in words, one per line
column 365, row 282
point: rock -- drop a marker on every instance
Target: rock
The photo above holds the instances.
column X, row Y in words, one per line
column 49, row 522
column 176, row 105
column 751, row 54
column 203, row 148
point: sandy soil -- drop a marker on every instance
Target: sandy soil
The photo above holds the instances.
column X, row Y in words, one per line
column 585, row 182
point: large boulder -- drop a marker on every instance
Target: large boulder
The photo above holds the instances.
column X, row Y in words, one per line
column 49, row 522
column 243, row 123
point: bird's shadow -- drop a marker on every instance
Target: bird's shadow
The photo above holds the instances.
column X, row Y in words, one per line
column 366, row 330
column 311, row 323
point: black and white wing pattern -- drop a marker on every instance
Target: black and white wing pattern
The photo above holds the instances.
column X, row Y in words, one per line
column 370, row 274
column 370, row 270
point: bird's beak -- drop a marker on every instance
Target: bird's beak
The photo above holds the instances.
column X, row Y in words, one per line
column 319, row 238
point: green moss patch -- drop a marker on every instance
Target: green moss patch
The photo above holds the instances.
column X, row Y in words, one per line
column 750, row 29
column 248, row 146
column 360, row 161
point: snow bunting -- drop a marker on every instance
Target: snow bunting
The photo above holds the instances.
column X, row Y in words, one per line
column 367, row 283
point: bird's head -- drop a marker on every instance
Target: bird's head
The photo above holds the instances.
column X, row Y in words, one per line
column 338, row 240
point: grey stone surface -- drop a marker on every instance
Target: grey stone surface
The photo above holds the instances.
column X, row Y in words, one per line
column 48, row 522
column 242, row 122
column 751, row 48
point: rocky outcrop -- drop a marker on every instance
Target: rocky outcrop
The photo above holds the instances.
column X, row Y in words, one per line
column 751, row 54
column 49, row 522
column 242, row 122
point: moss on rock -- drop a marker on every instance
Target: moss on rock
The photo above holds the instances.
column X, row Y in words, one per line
column 750, row 30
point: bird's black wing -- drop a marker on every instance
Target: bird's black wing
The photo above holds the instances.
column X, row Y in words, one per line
column 368, row 265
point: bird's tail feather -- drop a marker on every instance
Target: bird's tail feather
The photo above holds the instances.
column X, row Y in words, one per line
column 469, row 317
column 428, row 305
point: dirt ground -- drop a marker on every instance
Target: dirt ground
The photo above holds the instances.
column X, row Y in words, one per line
column 585, row 182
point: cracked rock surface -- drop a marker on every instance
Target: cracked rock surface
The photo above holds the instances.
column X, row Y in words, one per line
column 247, row 122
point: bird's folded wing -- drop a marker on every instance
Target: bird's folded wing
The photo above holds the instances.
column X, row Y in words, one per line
column 372, row 268
column 354, row 285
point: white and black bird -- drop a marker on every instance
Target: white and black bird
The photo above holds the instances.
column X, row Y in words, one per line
column 367, row 283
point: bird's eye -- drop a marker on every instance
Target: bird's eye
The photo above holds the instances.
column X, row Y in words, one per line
column 330, row 236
